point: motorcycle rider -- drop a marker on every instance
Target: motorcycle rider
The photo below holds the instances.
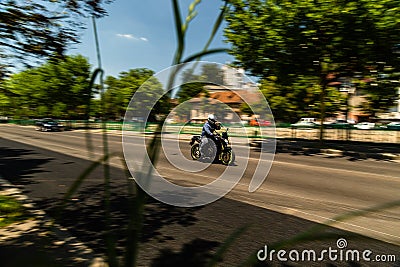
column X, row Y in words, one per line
column 207, row 133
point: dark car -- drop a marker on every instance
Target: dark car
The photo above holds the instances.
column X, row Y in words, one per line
column 49, row 125
column 393, row 126
column 339, row 124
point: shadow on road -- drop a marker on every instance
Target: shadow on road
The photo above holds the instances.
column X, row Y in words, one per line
column 171, row 236
column 85, row 217
column 350, row 150
column 174, row 236
column 38, row 250
column 196, row 253
column 19, row 165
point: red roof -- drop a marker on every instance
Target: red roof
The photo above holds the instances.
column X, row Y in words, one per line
column 228, row 97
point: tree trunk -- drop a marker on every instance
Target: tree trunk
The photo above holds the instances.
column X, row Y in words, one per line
column 323, row 107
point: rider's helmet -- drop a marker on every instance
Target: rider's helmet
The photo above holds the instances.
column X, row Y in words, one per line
column 211, row 118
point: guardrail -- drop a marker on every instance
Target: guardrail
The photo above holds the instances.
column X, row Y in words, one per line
column 351, row 134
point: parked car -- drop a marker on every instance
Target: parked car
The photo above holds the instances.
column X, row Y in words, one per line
column 259, row 122
column 365, row 125
column 304, row 124
column 393, row 126
column 303, row 120
column 3, row 119
column 49, row 125
column 338, row 124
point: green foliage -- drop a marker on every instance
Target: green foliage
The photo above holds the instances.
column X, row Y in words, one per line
column 297, row 37
column 120, row 91
column 245, row 108
column 57, row 88
column 190, row 90
column 212, row 74
column 37, row 29
column 95, row 108
column 300, row 99
column 194, row 83
column 305, row 38
column 381, row 89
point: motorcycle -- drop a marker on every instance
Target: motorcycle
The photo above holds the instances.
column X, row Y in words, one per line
column 224, row 152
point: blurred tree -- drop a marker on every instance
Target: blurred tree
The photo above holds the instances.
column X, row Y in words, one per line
column 95, row 108
column 57, row 88
column 190, row 90
column 25, row 90
column 283, row 38
column 381, row 89
column 245, row 109
column 212, row 73
column 41, row 29
column 120, row 91
column 5, row 105
column 300, row 99
column 194, row 83
column 147, row 101
column 288, row 39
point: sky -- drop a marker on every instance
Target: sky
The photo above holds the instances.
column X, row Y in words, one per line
column 141, row 34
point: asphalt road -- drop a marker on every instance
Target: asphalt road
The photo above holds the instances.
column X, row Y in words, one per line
column 299, row 192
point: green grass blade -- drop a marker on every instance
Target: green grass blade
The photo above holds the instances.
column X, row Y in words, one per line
column 138, row 204
column 179, row 31
column 198, row 55
column 216, row 26
column 178, row 20
column 78, row 182
column 89, row 144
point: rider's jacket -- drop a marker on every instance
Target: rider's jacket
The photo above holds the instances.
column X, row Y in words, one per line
column 208, row 130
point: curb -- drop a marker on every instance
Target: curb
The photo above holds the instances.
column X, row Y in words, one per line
column 42, row 225
column 381, row 156
column 390, row 156
column 330, row 152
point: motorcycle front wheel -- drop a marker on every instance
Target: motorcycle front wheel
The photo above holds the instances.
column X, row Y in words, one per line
column 227, row 157
column 195, row 151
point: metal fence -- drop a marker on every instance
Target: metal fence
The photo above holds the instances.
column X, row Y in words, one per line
column 372, row 135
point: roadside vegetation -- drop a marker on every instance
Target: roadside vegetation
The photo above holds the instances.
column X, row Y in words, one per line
column 11, row 211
